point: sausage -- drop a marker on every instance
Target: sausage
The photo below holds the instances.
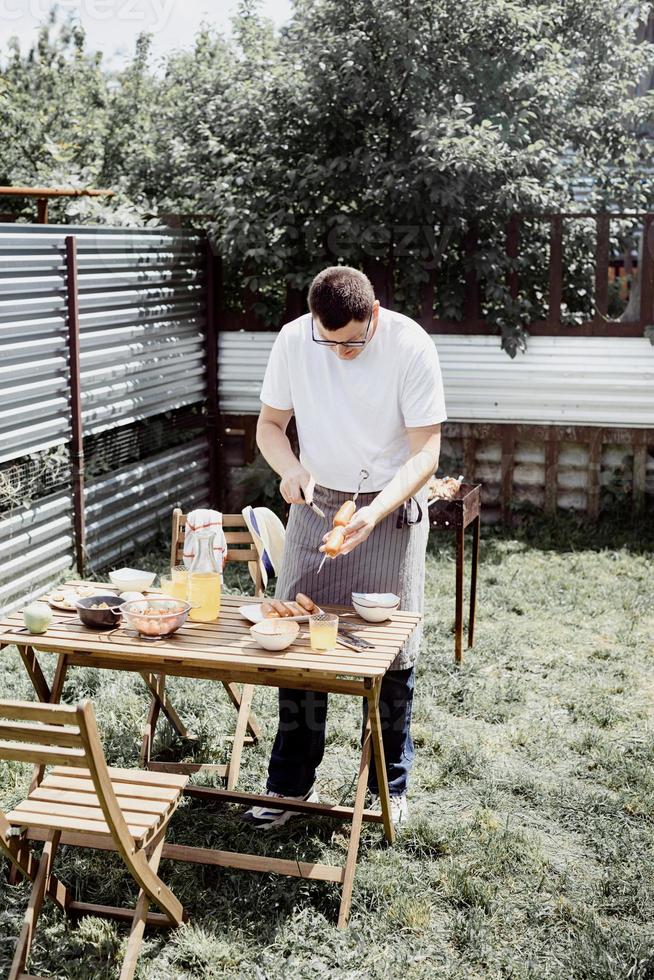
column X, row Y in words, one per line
column 344, row 514
column 307, row 604
column 268, row 611
column 335, row 541
column 296, row 609
column 280, row 608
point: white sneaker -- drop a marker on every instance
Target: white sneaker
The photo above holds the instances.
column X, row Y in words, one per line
column 265, row 817
column 399, row 807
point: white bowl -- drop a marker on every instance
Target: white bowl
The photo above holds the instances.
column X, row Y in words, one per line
column 374, row 614
column 132, row 579
column 275, row 634
column 378, row 600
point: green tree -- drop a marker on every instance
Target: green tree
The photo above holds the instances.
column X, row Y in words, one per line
column 391, row 128
column 391, row 134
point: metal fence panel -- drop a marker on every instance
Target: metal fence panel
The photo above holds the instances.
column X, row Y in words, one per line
column 33, row 343
column 142, row 297
column 603, row 381
column 129, row 508
column 36, row 543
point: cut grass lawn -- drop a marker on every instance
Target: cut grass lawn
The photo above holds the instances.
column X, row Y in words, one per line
column 529, row 852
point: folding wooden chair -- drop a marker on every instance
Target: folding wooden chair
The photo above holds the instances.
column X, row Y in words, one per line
column 124, row 810
column 240, row 547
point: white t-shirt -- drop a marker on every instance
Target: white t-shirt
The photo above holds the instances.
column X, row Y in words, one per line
column 354, row 413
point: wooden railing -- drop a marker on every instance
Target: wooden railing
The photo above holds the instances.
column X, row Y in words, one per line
column 638, row 272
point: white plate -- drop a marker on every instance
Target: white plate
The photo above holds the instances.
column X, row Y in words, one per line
column 71, row 594
column 254, row 615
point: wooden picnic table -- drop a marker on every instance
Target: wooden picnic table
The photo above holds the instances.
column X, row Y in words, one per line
column 224, row 651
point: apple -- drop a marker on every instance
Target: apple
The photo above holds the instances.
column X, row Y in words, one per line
column 37, row 616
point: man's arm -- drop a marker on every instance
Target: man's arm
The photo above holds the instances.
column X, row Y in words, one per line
column 276, row 450
column 424, row 446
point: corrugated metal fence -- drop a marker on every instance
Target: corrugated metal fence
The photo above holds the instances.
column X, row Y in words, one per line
column 567, row 425
column 559, row 381
column 142, row 329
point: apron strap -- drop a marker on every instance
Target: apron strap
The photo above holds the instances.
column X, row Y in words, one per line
column 403, row 518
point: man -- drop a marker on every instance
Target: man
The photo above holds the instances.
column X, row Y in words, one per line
column 365, row 387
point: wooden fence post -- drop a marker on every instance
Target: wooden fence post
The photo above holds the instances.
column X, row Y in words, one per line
column 508, row 462
column 556, row 269
column 471, row 302
column 602, row 267
column 646, row 274
column 77, row 434
column 551, row 470
column 594, row 468
column 213, row 428
column 512, row 245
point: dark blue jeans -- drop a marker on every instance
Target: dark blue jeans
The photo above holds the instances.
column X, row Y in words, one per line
column 300, row 742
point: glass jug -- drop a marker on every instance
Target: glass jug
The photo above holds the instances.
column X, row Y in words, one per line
column 204, row 580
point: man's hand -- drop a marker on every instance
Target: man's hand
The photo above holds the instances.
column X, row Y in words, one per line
column 360, row 527
column 293, row 482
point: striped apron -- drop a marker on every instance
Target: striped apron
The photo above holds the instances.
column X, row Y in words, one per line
column 392, row 559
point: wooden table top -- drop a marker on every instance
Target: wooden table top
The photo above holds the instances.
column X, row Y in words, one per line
column 221, row 647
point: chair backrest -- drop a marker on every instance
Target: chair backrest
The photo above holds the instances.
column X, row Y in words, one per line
column 45, row 734
column 240, row 544
column 62, row 735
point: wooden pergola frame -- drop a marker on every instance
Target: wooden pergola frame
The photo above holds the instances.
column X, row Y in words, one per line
column 43, row 195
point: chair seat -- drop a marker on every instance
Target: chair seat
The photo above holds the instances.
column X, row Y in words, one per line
column 66, row 800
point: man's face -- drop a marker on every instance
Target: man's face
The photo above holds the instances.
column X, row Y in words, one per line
column 355, row 330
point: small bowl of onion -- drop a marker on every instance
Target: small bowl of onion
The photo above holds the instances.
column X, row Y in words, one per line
column 100, row 612
column 155, row 618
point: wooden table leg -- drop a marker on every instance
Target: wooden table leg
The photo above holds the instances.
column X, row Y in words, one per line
column 476, row 528
column 234, row 765
column 151, row 721
column 458, row 616
column 156, row 684
column 380, row 761
column 54, row 697
column 160, row 702
column 355, row 832
column 36, row 676
column 235, row 697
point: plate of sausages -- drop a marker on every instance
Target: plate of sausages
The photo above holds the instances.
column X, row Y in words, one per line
column 300, row 610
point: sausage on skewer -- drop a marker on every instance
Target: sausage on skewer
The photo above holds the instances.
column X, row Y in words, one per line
column 336, row 537
column 344, row 514
column 335, row 541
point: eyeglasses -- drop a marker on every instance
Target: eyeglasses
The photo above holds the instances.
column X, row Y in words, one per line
column 338, row 343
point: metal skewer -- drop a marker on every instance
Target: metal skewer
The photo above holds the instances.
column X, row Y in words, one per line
column 363, row 476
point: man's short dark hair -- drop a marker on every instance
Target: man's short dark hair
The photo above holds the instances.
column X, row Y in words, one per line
column 340, row 294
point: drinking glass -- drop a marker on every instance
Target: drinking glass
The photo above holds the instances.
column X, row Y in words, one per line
column 323, row 629
column 176, row 586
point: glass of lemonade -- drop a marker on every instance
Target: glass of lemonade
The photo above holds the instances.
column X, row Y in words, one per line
column 323, row 631
column 176, row 586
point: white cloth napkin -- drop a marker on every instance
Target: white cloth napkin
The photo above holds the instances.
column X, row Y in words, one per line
column 197, row 520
